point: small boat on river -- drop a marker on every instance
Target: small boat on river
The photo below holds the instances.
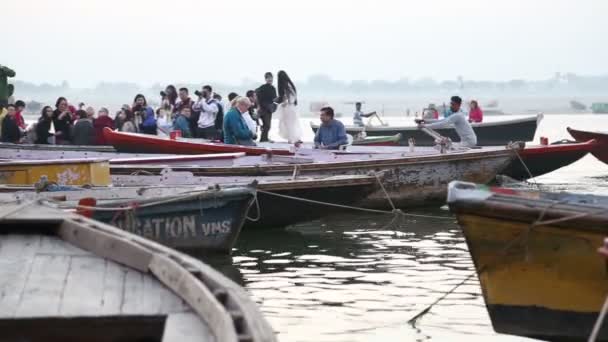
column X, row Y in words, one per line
column 599, row 108
column 495, row 133
column 201, row 220
column 144, row 143
column 393, row 140
column 69, row 278
column 536, row 258
column 601, row 149
column 543, row 159
column 413, row 178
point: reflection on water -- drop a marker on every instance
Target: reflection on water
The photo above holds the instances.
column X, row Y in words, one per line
column 361, row 277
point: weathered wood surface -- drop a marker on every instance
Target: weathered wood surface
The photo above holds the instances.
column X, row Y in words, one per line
column 43, row 276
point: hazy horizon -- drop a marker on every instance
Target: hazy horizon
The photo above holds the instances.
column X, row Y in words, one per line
column 85, row 42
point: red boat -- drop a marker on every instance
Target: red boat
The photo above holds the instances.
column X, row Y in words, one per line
column 143, row 143
column 601, row 150
column 542, row 159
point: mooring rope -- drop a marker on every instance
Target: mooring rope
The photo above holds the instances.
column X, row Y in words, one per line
column 599, row 322
column 527, row 169
column 388, row 197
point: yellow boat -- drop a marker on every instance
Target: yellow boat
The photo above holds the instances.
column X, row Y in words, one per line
column 94, row 172
column 536, row 258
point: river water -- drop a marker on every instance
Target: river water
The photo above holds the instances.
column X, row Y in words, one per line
column 361, row 277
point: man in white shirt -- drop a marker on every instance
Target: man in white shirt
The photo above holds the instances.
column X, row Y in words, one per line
column 209, row 109
column 459, row 121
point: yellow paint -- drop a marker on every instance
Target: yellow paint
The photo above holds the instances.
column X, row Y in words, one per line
column 95, row 173
column 554, row 268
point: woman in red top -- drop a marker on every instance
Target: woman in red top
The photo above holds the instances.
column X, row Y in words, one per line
column 475, row 113
column 102, row 121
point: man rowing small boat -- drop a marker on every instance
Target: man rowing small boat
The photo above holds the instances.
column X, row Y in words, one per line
column 458, row 120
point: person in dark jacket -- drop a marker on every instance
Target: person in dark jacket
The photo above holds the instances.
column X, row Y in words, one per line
column 181, row 122
column 83, row 132
column 266, row 94
column 102, row 121
column 43, row 127
column 62, row 120
column 10, row 130
column 146, row 114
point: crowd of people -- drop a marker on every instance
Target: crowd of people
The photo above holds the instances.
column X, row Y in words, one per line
column 242, row 120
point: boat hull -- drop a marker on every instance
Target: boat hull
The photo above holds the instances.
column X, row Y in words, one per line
column 488, row 134
column 408, row 181
column 206, row 223
column 601, row 150
column 541, row 160
column 529, row 292
column 379, row 141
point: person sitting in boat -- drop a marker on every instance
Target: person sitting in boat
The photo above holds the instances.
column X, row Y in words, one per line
column 455, row 107
column 331, row 134
column 181, row 122
column 359, row 115
column 102, row 121
column 208, row 108
column 19, row 109
column 459, row 121
column 43, row 127
column 235, row 129
column 475, row 113
column 10, row 130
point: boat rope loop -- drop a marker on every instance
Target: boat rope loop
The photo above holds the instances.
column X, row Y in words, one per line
column 375, row 211
column 257, row 207
column 521, row 237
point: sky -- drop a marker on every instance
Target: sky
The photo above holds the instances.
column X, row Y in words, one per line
column 201, row 41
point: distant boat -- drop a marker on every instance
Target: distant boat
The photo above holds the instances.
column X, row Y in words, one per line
column 577, row 105
column 599, row 107
column 492, row 104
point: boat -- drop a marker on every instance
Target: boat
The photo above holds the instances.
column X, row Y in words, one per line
column 576, row 105
column 280, row 200
column 536, row 258
column 599, row 108
column 378, row 141
column 69, row 278
column 50, row 147
column 64, row 172
column 417, row 178
column 543, row 159
column 601, row 149
column 496, row 133
column 144, row 143
column 200, row 220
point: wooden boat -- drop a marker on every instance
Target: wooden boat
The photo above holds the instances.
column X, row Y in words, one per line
column 599, row 108
column 48, row 147
column 497, row 133
column 65, row 172
column 281, row 200
column 200, row 220
column 536, row 258
column 543, row 159
column 143, row 143
column 379, row 141
column 601, row 149
column 69, row 278
column 418, row 178
column 576, row 105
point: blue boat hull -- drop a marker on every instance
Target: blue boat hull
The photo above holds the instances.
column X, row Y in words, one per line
column 206, row 223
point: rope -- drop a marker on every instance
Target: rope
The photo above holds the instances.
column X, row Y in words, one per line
column 257, row 205
column 375, row 211
column 388, row 197
column 526, row 168
column 144, row 172
column 598, row 323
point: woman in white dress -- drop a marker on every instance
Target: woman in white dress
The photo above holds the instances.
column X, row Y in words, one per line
column 289, row 120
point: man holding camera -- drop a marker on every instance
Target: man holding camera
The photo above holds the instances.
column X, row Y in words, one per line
column 208, row 108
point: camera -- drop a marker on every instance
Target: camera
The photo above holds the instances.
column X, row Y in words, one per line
column 163, row 94
column 198, row 93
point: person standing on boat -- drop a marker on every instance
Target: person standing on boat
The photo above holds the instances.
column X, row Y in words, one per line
column 10, row 131
column 5, row 73
column 331, row 134
column 62, row 121
column 459, row 121
column 475, row 113
column 235, row 129
column 184, row 100
column 266, row 95
column 19, row 109
column 455, row 107
column 289, row 121
column 145, row 114
column 208, row 108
